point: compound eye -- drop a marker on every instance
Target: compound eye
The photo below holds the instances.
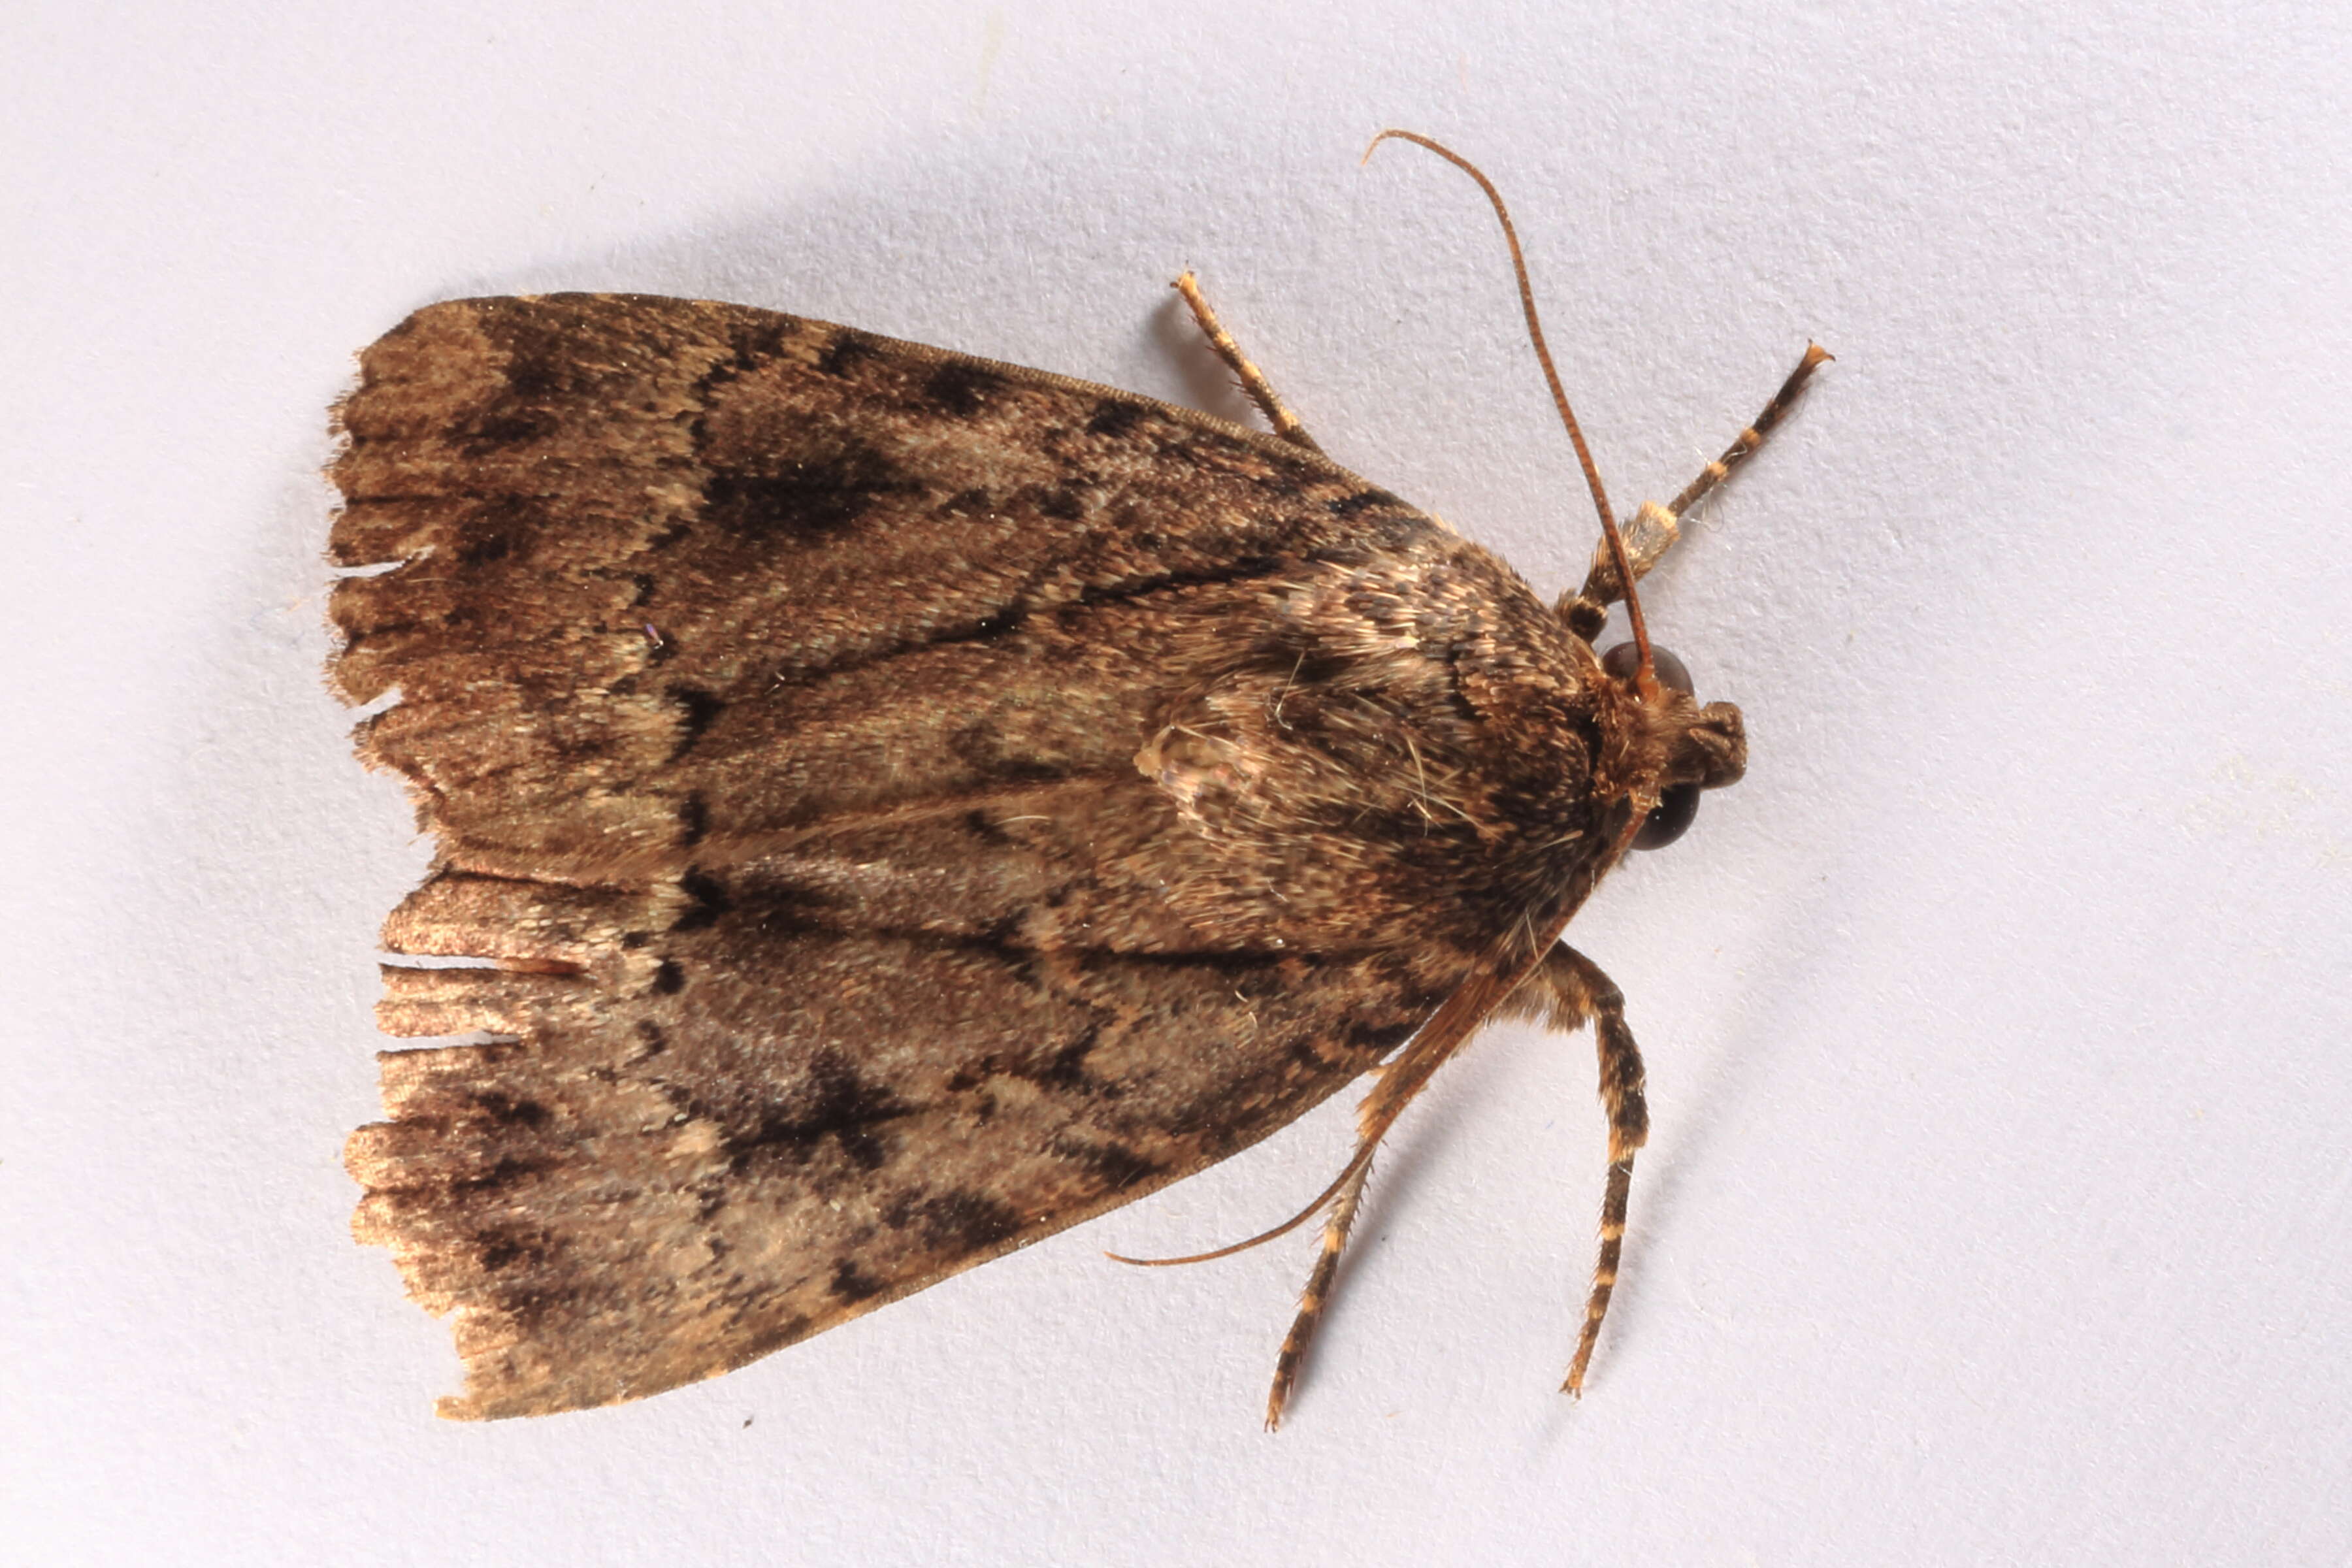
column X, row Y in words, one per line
column 1625, row 658
column 1677, row 809
column 1677, row 806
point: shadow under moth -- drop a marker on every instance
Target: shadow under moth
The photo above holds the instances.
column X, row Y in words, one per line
column 891, row 807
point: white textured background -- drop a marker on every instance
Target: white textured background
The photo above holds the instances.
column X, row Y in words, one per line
column 1997, row 1208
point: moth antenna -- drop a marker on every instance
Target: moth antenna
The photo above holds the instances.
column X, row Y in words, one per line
column 1645, row 679
column 1363, row 1157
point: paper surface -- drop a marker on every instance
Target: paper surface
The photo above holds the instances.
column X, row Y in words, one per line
column 1996, row 1205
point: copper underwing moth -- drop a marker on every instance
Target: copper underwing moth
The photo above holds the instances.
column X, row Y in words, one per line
column 890, row 806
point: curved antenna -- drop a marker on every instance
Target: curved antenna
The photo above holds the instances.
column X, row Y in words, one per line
column 1363, row 1158
column 1645, row 679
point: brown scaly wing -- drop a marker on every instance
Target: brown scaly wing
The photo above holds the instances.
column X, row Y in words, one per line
column 775, row 693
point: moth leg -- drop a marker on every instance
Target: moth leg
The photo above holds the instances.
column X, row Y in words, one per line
column 1312, row 1300
column 1743, row 446
column 1653, row 529
column 1569, row 990
column 1401, row 1079
column 1254, row 381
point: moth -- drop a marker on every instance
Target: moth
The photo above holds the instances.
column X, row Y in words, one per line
column 891, row 807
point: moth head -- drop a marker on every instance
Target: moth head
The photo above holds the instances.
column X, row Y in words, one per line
column 1689, row 748
column 1701, row 747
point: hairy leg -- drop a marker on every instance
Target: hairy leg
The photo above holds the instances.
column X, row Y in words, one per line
column 1254, row 381
column 1567, row 991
